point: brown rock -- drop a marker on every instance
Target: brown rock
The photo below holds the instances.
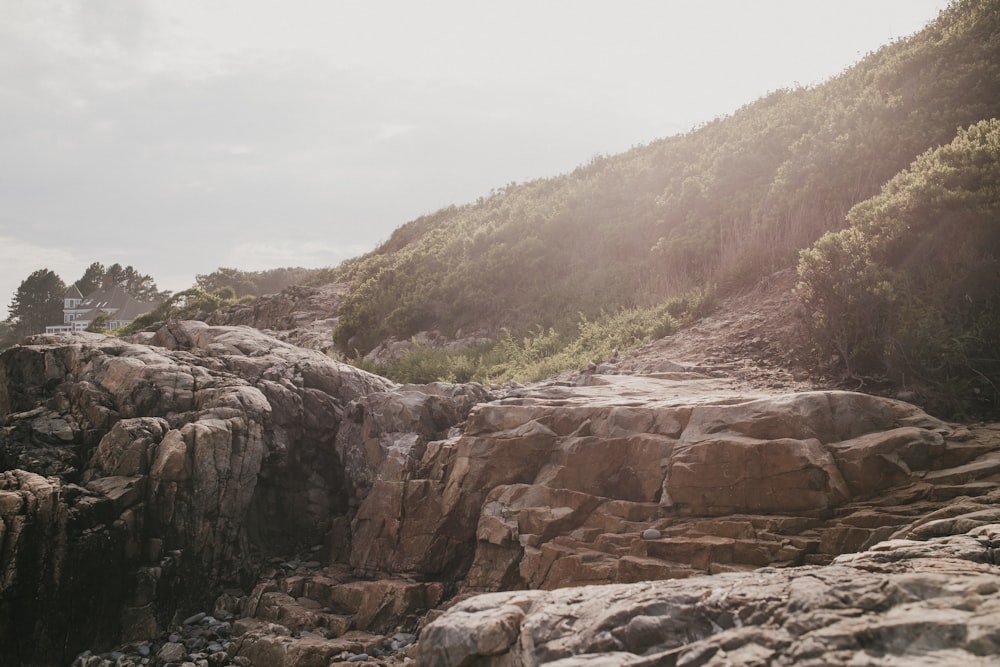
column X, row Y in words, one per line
column 927, row 603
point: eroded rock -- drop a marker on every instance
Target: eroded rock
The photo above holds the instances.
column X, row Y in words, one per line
column 184, row 454
column 200, row 462
column 932, row 602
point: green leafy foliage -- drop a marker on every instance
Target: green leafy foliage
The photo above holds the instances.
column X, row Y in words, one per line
column 139, row 285
column 100, row 323
column 189, row 304
column 911, row 289
column 539, row 352
column 37, row 302
column 252, row 283
column 8, row 335
column 719, row 206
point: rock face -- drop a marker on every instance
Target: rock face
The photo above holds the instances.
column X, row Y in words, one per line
column 902, row 602
column 556, row 486
column 138, row 476
column 302, row 315
column 328, row 511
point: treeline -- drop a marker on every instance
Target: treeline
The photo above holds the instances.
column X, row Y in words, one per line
column 252, row 283
column 38, row 301
column 717, row 207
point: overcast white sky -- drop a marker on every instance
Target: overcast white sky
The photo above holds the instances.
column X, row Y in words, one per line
column 183, row 135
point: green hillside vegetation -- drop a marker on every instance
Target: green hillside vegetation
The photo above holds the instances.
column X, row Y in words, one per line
column 719, row 206
column 706, row 212
column 252, row 283
column 911, row 289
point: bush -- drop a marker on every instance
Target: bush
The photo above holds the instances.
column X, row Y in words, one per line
column 911, row 289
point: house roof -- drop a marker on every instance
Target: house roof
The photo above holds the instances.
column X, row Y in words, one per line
column 73, row 292
column 133, row 309
column 115, row 301
column 106, row 298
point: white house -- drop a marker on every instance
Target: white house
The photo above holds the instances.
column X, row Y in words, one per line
column 80, row 311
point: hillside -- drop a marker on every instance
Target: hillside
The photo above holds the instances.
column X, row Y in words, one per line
column 878, row 187
column 717, row 207
column 714, row 401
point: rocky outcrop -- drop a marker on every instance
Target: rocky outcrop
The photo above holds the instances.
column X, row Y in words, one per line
column 908, row 602
column 302, row 315
column 141, row 478
column 328, row 513
column 624, row 479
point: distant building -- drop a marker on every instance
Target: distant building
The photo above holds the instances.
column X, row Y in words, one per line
column 79, row 311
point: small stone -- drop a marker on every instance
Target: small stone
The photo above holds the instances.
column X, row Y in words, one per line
column 191, row 620
column 144, row 650
column 651, row 534
column 358, row 657
column 195, row 643
column 172, row 652
column 401, row 640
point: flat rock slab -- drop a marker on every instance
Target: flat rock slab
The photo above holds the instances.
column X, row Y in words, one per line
column 905, row 602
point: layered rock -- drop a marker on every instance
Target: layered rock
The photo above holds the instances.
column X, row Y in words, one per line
column 151, row 477
column 139, row 478
column 619, row 480
column 302, row 315
column 909, row 602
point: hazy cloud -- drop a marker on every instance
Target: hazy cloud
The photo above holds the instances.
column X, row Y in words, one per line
column 179, row 136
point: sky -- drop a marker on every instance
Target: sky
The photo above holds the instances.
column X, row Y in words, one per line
column 180, row 136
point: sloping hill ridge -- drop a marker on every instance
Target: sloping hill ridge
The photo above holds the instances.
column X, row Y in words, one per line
column 718, row 207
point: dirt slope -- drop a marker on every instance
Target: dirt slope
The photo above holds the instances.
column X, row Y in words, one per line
column 757, row 337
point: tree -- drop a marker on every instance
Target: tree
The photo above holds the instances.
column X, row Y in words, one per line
column 911, row 289
column 8, row 336
column 189, row 304
column 91, row 278
column 100, row 323
column 241, row 282
column 140, row 286
column 251, row 283
column 38, row 302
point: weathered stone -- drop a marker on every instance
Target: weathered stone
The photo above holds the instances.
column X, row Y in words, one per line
column 904, row 601
column 172, row 445
column 180, row 462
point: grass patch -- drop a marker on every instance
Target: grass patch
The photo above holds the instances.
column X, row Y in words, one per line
column 540, row 353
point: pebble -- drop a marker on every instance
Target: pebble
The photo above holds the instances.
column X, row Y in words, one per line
column 358, row 657
column 172, row 652
column 191, row 620
column 401, row 640
column 651, row 534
